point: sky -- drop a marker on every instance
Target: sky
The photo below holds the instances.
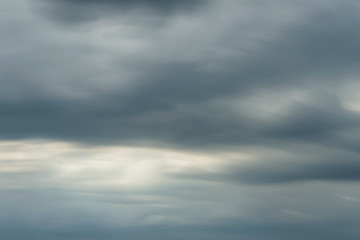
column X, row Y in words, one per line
column 179, row 119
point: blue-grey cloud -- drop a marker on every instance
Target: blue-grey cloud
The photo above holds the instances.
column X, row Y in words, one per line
column 82, row 11
column 268, row 81
column 174, row 101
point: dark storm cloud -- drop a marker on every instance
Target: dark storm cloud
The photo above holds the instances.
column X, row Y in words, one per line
column 174, row 101
column 314, row 52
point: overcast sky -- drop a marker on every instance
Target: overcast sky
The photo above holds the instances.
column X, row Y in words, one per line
column 179, row 119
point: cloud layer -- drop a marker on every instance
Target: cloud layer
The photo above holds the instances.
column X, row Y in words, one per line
column 83, row 11
column 179, row 119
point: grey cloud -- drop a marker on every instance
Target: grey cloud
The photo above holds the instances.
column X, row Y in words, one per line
column 80, row 11
column 249, row 231
column 191, row 85
column 151, row 3
column 317, row 120
column 323, row 47
column 284, row 172
column 270, row 219
column 174, row 101
column 299, row 164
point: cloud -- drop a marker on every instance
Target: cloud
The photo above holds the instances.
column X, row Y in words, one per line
column 186, row 102
column 282, row 164
column 80, row 194
column 325, row 170
column 179, row 119
column 82, row 11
